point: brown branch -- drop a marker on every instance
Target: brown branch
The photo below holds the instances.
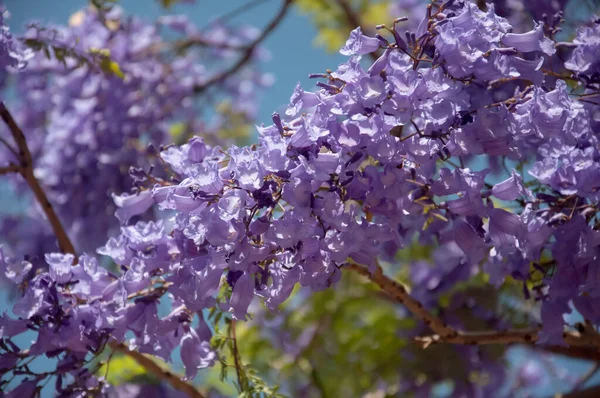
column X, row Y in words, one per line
column 581, row 345
column 11, row 168
column 221, row 77
column 10, row 148
column 185, row 44
column 586, row 354
column 26, row 170
column 523, row 336
column 354, row 21
column 163, row 374
column 586, row 377
column 236, row 356
column 400, row 294
column 591, row 392
column 237, row 11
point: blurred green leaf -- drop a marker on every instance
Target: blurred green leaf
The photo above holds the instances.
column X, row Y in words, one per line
column 123, row 369
column 176, row 131
column 333, row 24
column 111, row 67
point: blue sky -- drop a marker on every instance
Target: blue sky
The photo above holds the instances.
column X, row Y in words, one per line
column 293, row 55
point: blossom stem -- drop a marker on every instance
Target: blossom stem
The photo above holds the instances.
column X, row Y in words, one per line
column 236, row 356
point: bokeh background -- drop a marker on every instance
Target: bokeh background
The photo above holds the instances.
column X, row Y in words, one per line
column 302, row 44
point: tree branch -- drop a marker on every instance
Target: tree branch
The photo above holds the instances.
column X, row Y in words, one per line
column 399, row 293
column 581, row 345
column 26, row 170
column 237, row 11
column 591, row 392
column 236, row 357
column 247, row 55
column 586, row 377
column 163, row 374
column 586, row 354
column 10, row 148
column 11, row 168
column 185, row 44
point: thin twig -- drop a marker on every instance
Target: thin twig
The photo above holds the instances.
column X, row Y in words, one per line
column 26, row 170
column 163, row 374
column 236, row 11
column 586, row 377
column 221, row 77
column 10, row 148
column 184, row 44
column 236, row 356
column 11, row 168
column 523, row 336
column 582, row 345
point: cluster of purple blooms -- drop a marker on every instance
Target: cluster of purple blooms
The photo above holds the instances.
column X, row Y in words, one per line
column 86, row 128
column 370, row 162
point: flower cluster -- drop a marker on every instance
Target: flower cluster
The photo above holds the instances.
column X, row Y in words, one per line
column 373, row 160
column 12, row 54
column 110, row 86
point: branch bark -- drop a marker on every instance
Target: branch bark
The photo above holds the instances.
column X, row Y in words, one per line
column 236, row 357
column 582, row 346
column 11, row 168
column 25, row 168
column 163, row 374
column 247, row 55
column 591, row 392
column 400, row 294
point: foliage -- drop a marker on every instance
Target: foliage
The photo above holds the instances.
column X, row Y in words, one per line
column 332, row 22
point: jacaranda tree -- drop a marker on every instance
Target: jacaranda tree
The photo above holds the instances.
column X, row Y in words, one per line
column 432, row 204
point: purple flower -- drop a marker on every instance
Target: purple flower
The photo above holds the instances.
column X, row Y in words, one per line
column 241, row 297
column 587, row 53
column 359, row 44
column 15, row 272
column 196, row 352
column 132, row 205
column 511, row 188
column 534, row 40
column 60, row 267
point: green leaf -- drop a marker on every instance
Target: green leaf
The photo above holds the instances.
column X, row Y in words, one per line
column 123, row 369
column 109, row 66
column 176, row 131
